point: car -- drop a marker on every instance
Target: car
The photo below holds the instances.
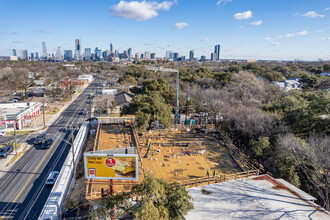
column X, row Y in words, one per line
column 47, row 143
column 4, row 151
column 2, row 133
column 52, row 178
column 39, row 139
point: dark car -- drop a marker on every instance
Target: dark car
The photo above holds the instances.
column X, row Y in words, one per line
column 47, row 143
column 4, row 151
column 39, row 139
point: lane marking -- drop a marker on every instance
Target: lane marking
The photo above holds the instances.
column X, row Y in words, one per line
column 28, row 181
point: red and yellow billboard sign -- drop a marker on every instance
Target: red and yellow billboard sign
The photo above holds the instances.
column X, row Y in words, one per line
column 103, row 166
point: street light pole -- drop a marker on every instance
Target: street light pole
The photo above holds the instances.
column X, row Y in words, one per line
column 43, row 112
column 15, row 137
column 72, row 147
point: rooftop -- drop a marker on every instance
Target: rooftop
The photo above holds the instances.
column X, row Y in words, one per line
column 261, row 197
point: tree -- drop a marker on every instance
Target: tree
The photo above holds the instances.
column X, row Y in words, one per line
column 158, row 200
column 313, row 159
column 149, row 108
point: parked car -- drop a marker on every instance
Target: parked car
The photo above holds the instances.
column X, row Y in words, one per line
column 4, row 151
column 39, row 139
column 52, row 178
column 2, row 133
column 47, row 143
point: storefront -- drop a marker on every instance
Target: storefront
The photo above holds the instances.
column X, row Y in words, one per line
column 18, row 114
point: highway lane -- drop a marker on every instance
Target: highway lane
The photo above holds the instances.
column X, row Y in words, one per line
column 22, row 189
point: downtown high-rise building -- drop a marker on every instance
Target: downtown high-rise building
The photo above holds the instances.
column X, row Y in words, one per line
column 24, row 55
column 217, row 52
column 137, row 56
column 111, row 48
column 153, row 56
column 58, row 54
column 37, row 56
column 169, row 54
column 32, row 57
column 191, row 55
column 77, row 55
column 44, row 51
column 14, row 52
column 130, row 53
column 213, row 56
column 68, row 55
column 176, row 56
column 88, row 53
column 147, row 55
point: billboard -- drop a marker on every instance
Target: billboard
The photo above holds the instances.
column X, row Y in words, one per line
column 105, row 166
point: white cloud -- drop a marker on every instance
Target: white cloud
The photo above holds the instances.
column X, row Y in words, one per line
column 311, row 14
column 139, row 11
column 320, row 31
column 106, row 31
column 205, row 39
column 180, row 25
column 327, row 9
column 267, row 38
column 302, row 33
column 256, row 23
column 223, row 2
column 148, row 44
column 43, row 31
column 244, row 15
column 274, row 43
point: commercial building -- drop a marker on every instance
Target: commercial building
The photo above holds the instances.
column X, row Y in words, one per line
column 58, row 55
column 14, row 53
column 111, row 47
column 217, row 52
column 44, row 51
column 191, row 55
column 88, row 54
column 77, row 55
column 18, row 114
column 68, row 55
column 169, row 54
column 147, row 55
column 130, row 53
column 153, row 56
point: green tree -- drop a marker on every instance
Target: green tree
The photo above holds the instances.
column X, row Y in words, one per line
column 149, row 108
column 127, row 79
column 157, row 200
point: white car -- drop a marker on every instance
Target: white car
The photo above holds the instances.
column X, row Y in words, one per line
column 2, row 133
column 52, row 178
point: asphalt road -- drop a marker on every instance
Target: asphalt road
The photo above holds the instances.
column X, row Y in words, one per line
column 22, row 190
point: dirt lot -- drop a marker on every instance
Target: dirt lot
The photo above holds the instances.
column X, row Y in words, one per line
column 198, row 155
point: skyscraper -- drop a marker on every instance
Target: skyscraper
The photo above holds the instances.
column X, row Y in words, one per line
column 213, row 56
column 111, row 48
column 176, row 56
column 58, row 55
column 44, row 51
column 32, row 56
column 169, row 54
column 88, row 53
column 68, row 55
column 77, row 55
column 24, row 55
column 37, row 56
column 191, row 55
column 130, row 53
column 137, row 56
column 217, row 52
column 14, row 52
column 153, row 56
column 147, row 55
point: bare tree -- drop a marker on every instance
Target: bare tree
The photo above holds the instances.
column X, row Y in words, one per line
column 313, row 158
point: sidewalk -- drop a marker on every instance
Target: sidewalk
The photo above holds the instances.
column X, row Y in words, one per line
column 4, row 167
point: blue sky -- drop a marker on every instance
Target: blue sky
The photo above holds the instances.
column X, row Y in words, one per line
column 246, row 29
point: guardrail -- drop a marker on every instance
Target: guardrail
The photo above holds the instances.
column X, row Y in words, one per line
column 53, row 208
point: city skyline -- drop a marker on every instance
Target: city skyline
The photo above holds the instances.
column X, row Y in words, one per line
column 244, row 29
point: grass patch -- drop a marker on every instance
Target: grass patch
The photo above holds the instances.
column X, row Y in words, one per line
column 114, row 115
column 19, row 132
column 15, row 157
column 79, row 91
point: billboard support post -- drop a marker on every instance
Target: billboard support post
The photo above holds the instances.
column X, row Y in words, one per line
column 111, row 193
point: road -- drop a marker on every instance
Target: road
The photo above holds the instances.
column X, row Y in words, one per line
column 22, row 189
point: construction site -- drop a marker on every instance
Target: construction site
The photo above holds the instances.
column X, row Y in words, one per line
column 191, row 157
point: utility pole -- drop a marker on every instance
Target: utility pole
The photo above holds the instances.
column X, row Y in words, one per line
column 187, row 99
column 43, row 112
column 177, row 113
column 72, row 147
column 90, row 109
column 15, row 136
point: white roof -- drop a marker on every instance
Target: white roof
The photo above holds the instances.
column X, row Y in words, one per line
column 259, row 197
